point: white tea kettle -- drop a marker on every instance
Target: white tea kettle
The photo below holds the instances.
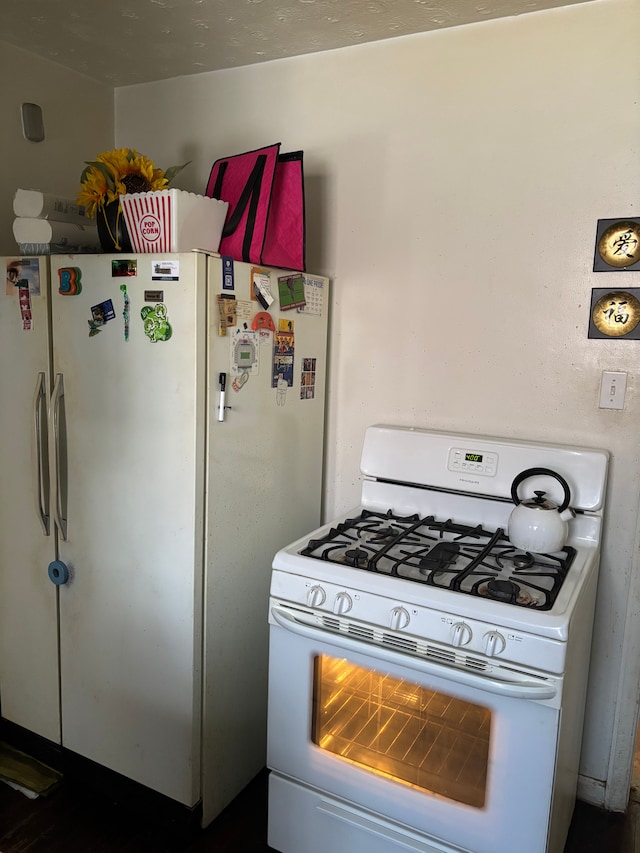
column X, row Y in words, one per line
column 538, row 524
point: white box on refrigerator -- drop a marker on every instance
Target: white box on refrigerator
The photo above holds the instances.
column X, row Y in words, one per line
column 173, row 221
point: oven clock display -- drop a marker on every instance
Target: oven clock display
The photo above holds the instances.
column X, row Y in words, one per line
column 463, row 461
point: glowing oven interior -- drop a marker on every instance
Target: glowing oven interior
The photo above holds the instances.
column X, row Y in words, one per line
column 399, row 729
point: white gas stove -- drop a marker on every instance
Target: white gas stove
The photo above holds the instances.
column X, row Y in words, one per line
column 423, row 577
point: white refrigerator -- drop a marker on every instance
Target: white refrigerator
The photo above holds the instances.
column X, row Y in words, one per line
column 162, row 422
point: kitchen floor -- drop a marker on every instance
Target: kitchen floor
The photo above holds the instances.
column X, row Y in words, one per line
column 70, row 819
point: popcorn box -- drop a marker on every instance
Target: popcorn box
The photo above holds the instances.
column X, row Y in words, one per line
column 173, row 221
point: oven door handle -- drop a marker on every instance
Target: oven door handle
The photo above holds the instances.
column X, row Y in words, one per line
column 517, row 689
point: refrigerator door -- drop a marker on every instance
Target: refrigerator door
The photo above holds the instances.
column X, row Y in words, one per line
column 129, row 479
column 29, row 694
column 265, row 470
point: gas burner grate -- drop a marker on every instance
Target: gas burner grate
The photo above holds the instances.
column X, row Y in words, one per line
column 460, row 557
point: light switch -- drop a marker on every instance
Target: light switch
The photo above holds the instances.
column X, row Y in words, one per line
column 612, row 389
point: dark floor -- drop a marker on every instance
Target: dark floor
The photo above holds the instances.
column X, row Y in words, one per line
column 71, row 819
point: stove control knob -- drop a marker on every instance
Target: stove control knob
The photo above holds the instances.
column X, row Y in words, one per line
column 343, row 603
column 316, row 596
column 399, row 618
column 494, row 643
column 461, row 634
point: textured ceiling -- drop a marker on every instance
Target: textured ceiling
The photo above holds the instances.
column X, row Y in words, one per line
column 122, row 42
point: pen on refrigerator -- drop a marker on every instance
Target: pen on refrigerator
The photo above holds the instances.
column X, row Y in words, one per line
column 222, row 379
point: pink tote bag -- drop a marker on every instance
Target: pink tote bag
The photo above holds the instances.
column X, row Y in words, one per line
column 265, row 222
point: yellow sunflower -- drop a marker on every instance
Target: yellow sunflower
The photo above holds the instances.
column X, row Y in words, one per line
column 115, row 173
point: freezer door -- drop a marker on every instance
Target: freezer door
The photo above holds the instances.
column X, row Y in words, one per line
column 129, row 346
column 29, row 694
column 265, row 467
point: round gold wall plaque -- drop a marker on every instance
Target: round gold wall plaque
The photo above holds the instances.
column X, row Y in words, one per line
column 616, row 314
column 619, row 246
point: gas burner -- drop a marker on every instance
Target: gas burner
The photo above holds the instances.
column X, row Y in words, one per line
column 523, row 561
column 512, row 593
column 356, row 557
column 445, row 554
column 385, row 536
column 503, row 590
column 441, row 556
column 387, row 532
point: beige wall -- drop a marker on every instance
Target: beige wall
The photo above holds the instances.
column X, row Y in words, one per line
column 78, row 120
column 454, row 183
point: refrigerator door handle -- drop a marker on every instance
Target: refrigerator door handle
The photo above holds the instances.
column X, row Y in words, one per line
column 41, row 485
column 54, row 455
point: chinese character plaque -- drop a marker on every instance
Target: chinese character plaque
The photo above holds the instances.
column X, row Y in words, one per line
column 617, row 245
column 615, row 314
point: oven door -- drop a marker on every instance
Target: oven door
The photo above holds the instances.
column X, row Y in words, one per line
column 465, row 762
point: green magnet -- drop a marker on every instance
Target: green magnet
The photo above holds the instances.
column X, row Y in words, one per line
column 156, row 326
column 125, row 312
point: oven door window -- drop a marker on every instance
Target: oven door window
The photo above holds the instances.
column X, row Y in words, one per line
column 395, row 728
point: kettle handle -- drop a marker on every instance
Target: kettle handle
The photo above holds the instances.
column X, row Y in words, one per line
column 533, row 472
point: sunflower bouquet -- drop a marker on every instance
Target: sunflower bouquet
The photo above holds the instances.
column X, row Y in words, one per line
column 115, row 173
